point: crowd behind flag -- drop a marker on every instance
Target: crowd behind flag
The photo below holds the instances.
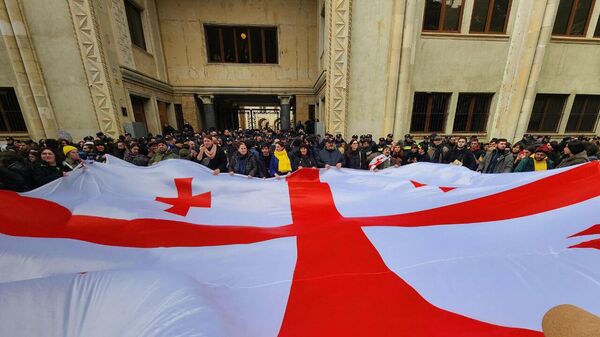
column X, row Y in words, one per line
column 447, row 251
column 27, row 164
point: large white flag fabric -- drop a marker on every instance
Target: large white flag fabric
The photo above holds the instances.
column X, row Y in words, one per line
column 420, row 250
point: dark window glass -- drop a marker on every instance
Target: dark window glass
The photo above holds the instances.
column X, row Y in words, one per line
column 214, row 45
column 271, row 45
column 572, row 17
column 429, row 112
column 472, row 112
column 11, row 118
column 499, row 16
column 490, row 16
column 562, row 17
column 584, row 113
column 580, row 19
column 431, row 21
column 136, row 28
column 256, row 45
column 229, row 44
column 597, row 32
column 243, row 50
column 452, row 17
column 442, row 16
column 479, row 16
column 241, row 44
column 546, row 113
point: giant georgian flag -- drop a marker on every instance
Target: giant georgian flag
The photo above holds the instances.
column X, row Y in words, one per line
column 421, row 250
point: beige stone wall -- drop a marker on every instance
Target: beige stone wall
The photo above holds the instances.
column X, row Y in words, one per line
column 59, row 58
column 181, row 23
column 7, row 77
column 370, row 48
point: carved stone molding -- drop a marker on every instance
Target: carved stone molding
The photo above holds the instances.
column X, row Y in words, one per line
column 122, row 37
column 339, row 62
column 90, row 47
column 31, row 87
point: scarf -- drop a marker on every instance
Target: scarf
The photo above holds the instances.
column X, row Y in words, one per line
column 541, row 165
column 284, row 164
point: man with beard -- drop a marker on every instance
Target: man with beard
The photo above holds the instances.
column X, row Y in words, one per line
column 330, row 156
column 499, row 160
column 538, row 161
column 460, row 155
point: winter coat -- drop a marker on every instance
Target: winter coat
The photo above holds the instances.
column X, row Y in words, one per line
column 304, row 161
column 579, row 158
column 158, row 157
column 246, row 165
column 44, row 173
column 464, row 156
column 329, row 157
column 527, row 165
column 263, row 166
column 504, row 162
column 440, row 154
column 356, row 159
column 15, row 177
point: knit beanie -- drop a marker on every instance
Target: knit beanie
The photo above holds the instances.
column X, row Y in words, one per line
column 68, row 148
column 576, row 147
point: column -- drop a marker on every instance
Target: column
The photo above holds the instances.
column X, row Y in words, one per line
column 536, row 68
column 404, row 94
column 284, row 112
column 210, row 118
column 530, row 35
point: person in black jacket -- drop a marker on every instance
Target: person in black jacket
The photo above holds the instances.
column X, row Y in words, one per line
column 330, row 156
column 303, row 158
column 355, row 157
column 14, row 173
column 211, row 156
column 460, row 155
column 47, row 169
column 243, row 162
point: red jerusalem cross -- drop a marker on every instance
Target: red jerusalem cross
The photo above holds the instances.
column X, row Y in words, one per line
column 341, row 285
column 185, row 199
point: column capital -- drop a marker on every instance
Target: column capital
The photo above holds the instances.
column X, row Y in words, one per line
column 206, row 98
column 284, row 99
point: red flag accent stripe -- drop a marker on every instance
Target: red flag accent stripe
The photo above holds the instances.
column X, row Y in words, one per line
column 588, row 244
column 556, row 191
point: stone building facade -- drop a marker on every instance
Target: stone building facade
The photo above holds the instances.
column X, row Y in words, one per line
column 491, row 68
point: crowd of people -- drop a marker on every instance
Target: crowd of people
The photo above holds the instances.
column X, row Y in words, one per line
column 25, row 164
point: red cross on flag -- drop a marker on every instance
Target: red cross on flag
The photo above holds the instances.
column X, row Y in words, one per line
column 422, row 250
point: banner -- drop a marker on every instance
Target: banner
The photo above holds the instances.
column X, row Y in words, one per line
column 421, row 250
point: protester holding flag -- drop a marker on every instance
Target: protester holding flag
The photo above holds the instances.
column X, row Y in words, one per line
column 303, row 158
column 538, row 161
column 460, row 155
column 330, row 156
column 211, row 156
column 382, row 161
column 162, row 153
column 243, row 162
column 355, row 157
column 280, row 164
column 47, row 169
